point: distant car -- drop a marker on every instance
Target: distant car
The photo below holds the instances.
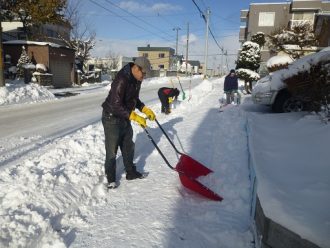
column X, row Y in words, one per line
column 272, row 91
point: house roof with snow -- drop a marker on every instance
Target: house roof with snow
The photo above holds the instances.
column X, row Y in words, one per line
column 37, row 43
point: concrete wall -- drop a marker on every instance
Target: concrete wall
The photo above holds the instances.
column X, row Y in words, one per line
column 281, row 14
column 274, row 235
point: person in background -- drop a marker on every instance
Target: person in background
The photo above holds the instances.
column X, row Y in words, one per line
column 118, row 112
column 230, row 88
column 164, row 95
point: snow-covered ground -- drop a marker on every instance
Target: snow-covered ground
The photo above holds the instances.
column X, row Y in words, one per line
column 57, row 198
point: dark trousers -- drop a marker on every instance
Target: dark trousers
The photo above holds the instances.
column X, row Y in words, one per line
column 164, row 101
column 118, row 133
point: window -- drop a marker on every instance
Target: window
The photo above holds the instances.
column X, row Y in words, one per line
column 309, row 16
column 145, row 55
column 50, row 33
column 301, row 17
column 266, row 19
column 161, row 55
column 161, row 66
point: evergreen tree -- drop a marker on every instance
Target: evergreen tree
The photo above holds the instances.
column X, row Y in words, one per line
column 24, row 59
column 249, row 58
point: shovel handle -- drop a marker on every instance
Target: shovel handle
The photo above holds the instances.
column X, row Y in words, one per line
column 161, row 128
column 160, row 152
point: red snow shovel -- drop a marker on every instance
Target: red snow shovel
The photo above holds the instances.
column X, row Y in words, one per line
column 188, row 169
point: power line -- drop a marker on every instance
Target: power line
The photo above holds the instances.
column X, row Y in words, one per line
column 203, row 16
column 200, row 11
column 133, row 23
column 139, row 18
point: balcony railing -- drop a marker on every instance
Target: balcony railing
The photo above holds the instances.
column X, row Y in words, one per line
column 294, row 23
column 242, row 33
column 244, row 14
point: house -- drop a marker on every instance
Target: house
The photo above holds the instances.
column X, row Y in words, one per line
column 161, row 58
column 192, row 67
column 59, row 60
column 269, row 17
column 13, row 30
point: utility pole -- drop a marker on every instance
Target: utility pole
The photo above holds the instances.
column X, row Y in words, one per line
column 2, row 78
column 187, row 49
column 177, row 35
column 221, row 62
column 226, row 60
column 206, row 40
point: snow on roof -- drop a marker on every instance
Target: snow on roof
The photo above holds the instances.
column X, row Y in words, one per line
column 268, row 3
column 38, row 43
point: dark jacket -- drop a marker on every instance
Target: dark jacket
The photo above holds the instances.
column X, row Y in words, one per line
column 169, row 92
column 231, row 83
column 123, row 97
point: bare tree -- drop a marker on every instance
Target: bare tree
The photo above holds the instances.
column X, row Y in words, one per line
column 113, row 60
column 82, row 38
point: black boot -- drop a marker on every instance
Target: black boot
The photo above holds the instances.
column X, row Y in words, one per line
column 133, row 174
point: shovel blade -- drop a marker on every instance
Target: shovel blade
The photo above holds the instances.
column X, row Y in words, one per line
column 194, row 185
column 191, row 167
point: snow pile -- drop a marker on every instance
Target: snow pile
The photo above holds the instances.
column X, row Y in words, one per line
column 293, row 186
column 41, row 202
column 24, row 93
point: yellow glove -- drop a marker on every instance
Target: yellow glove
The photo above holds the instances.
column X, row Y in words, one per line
column 149, row 113
column 170, row 100
column 139, row 119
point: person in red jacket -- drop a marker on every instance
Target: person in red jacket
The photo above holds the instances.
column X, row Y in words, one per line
column 118, row 112
column 164, row 94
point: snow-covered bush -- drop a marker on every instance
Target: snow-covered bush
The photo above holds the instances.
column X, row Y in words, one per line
column 278, row 62
column 247, row 75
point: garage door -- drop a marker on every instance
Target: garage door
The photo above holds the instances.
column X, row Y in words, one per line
column 61, row 71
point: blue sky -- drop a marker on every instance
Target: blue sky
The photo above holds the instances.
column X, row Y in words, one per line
column 138, row 23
